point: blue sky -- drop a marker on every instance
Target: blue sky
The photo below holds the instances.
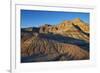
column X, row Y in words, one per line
column 36, row 18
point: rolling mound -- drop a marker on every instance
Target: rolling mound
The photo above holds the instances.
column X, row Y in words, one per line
column 46, row 50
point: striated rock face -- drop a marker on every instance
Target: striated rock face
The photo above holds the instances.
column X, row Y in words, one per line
column 68, row 40
column 83, row 26
column 76, row 29
column 66, row 25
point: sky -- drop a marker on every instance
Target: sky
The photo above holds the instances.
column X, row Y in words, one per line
column 37, row 18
